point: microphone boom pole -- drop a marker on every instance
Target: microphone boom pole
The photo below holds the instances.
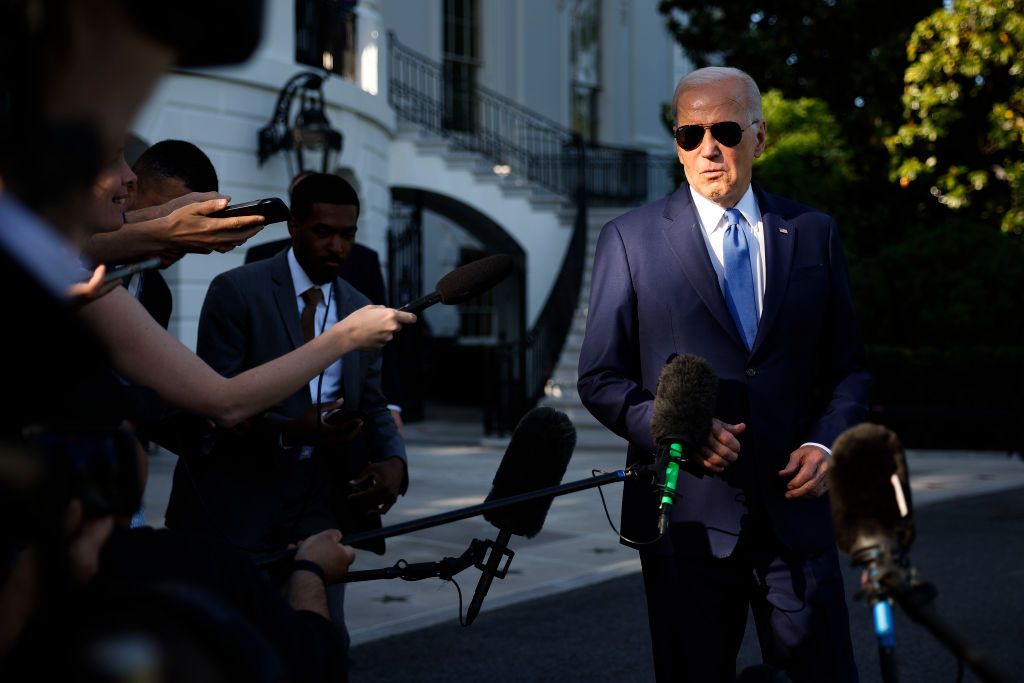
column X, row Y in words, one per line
column 440, row 519
column 476, row 510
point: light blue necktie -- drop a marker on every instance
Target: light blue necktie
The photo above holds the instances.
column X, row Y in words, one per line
column 739, row 279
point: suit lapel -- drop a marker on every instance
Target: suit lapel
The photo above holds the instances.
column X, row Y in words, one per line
column 350, row 370
column 682, row 230
column 779, row 244
column 284, row 296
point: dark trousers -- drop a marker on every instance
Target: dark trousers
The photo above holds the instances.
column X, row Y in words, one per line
column 697, row 608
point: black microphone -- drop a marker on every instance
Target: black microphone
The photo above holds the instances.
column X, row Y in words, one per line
column 873, row 519
column 683, row 407
column 536, row 458
column 870, row 491
column 465, row 282
column 874, row 523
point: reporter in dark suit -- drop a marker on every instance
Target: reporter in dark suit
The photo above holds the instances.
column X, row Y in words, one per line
column 757, row 285
column 288, row 477
column 362, row 270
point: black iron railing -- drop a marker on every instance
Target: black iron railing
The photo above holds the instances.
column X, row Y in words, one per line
column 545, row 341
column 527, row 144
column 519, row 372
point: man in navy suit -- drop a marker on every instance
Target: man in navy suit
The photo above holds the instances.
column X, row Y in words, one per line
column 757, row 285
column 361, row 270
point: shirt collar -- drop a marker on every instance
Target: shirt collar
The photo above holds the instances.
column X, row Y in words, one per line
column 299, row 277
column 38, row 248
column 710, row 214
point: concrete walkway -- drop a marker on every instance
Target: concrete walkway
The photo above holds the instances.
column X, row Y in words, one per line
column 451, row 466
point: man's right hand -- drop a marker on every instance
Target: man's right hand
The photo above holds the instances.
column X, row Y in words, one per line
column 311, row 429
column 722, row 447
column 325, row 550
column 371, row 327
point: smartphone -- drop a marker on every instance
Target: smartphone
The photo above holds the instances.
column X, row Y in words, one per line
column 128, row 271
column 342, row 415
column 272, row 209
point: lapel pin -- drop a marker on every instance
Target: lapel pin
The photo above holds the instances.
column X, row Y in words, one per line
column 784, row 231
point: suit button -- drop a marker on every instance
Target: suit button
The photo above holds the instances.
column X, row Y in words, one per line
column 751, row 372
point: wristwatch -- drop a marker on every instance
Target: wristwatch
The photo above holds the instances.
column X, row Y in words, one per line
column 309, row 566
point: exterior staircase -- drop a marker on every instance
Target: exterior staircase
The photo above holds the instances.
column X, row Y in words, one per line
column 512, row 186
column 560, row 391
column 527, row 171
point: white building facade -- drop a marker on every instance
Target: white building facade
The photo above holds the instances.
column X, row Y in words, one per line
column 601, row 68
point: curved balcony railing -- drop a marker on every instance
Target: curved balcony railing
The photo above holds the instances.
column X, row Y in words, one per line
column 507, row 134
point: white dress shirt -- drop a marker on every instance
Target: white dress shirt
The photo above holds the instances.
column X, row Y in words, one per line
column 713, row 221
column 325, row 317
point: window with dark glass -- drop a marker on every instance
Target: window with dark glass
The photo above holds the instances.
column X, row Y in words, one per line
column 461, row 60
column 477, row 316
column 325, row 35
column 584, row 54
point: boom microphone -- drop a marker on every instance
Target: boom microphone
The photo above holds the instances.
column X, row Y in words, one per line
column 872, row 516
column 874, row 523
column 683, row 407
column 465, row 282
column 870, row 490
column 537, row 457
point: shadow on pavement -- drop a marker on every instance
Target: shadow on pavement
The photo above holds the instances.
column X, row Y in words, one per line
column 972, row 549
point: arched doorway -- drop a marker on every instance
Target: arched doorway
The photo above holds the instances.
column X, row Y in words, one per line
column 452, row 357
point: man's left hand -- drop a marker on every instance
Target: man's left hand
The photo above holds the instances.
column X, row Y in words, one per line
column 386, row 478
column 808, row 468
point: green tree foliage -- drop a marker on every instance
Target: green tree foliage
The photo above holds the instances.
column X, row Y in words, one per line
column 964, row 108
column 806, row 156
column 937, row 290
column 849, row 53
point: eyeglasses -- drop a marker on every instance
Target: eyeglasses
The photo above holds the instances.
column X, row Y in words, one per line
column 728, row 133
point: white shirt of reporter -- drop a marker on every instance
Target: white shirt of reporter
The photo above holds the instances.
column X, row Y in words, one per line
column 330, row 386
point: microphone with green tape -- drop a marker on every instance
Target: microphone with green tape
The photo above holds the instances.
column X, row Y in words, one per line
column 683, row 407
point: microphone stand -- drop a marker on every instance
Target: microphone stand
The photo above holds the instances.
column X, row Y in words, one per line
column 889, row 578
column 879, row 566
column 268, row 561
column 443, row 569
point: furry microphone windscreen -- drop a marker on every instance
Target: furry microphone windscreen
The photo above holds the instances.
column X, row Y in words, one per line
column 536, row 458
column 473, row 278
column 685, row 401
column 870, row 489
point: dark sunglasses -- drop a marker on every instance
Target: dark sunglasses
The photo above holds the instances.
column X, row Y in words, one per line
column 728, row 133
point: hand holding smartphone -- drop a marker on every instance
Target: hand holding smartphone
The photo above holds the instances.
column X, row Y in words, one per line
column 272, row 209
column 131, row 269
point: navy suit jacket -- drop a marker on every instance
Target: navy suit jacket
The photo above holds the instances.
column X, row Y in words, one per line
column 361, row 270
column 655, row 294
column 250, row 316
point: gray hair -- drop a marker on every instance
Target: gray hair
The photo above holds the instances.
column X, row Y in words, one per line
column 716, row 74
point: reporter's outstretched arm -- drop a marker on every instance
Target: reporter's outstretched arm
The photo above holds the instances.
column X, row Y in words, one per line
column 144, row 353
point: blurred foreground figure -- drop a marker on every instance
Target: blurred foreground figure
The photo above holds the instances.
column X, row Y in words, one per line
column 73, row 74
